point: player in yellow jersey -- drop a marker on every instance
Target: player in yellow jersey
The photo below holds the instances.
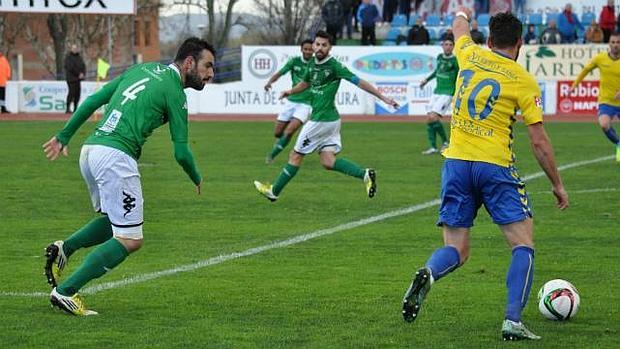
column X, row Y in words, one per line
column 479, row 164
column 609, row 97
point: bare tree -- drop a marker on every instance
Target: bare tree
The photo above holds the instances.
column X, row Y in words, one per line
column 288, row 21
column 218, row 30
column 10, row 30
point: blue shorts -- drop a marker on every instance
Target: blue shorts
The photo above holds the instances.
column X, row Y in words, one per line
column 610, row 110
column 466, row 185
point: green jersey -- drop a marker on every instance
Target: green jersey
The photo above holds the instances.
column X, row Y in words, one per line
column 142, row 99
column 446, row 73
column 324, row 79
column 298, row 67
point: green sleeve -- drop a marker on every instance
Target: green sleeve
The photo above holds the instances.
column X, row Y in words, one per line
column 432, row 76
column 176, row 110
column 86, row 109
column 343, row 73
column 287, row 67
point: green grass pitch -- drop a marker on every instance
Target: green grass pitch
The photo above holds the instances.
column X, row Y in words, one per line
column 342, row 290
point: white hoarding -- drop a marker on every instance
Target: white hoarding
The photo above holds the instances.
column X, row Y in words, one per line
column 397, row 70
column 108, row 7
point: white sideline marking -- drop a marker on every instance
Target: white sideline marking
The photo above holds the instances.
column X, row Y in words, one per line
column 584, row 191
column 278, row 244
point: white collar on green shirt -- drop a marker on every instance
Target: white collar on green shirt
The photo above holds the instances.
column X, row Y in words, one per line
column 175, row 68
column 324, row 59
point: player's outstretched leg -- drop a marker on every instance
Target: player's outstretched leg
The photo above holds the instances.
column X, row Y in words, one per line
column 518, row 282
column 431, row 132
column 442, row 134
column 349, row 168
column 442, row 261
column 101, row 260
column 266, row 190
column 55, row 262
column 95, row 232
column 412, row 301
column 73, row 305
column 285, row 139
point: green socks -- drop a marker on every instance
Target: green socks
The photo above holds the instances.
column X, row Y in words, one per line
column 440, row 130
column 282, row 142
column 434, row 128
column 97, row 231
column 105, row 257
column 430, row 130
column 349, row 168
column 288, row 172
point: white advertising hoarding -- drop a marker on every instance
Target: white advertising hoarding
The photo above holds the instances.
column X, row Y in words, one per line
column 397, row 70
column 108, row 7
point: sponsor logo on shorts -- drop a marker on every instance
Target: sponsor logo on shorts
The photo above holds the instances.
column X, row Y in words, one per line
column 128, row 202
column 306, row 142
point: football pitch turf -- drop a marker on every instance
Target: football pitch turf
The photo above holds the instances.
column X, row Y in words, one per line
column 340, row 290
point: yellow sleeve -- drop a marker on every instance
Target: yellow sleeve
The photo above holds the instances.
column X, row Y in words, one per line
column 463, row 47
column 530, row 101
column 592, row 64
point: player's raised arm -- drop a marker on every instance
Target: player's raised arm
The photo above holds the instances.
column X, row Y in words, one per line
column 592, row 64
column 302, row 86
column 460, row 25
column 58, row 144
column 368, row 87
column 271, row 80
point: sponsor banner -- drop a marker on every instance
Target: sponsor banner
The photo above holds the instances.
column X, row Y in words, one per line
column 583, row 101
column 396, row 91
column 379, row 64
column 419, row 98
column 108, row 7
column 559, row 62
column 251, row 98
column 48, row 96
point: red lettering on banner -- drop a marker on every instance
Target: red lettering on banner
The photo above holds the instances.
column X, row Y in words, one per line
column 582, row 101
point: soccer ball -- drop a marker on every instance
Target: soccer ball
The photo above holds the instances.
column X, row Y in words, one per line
column 558, row 300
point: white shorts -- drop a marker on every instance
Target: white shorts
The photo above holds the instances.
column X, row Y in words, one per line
column 295, row 110
column 324, row 136
column 113, row 181
column 439, row 104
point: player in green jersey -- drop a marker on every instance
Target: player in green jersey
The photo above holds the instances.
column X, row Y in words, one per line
column 298, row 108
column 142, row 99
column 446, row 74
column 322, row 132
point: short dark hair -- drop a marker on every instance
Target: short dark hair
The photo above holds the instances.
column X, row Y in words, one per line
column 306, row 41
column 325, row 35
column 505, row 30
column 193, row 47
column 616, row 33
column 449, row 37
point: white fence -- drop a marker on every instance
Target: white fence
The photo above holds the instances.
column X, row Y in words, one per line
column 396, row 71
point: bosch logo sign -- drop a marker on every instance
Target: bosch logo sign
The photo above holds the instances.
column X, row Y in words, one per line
column 262, row 63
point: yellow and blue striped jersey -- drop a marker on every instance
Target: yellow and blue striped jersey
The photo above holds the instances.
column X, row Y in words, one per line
column 489, row 91
column 610, row 77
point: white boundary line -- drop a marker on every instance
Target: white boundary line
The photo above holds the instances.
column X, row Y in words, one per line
column 278, row 244
column 584, row 191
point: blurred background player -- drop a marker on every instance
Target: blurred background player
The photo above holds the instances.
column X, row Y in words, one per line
column 298, row 108
column 322, row 132
column 446, row 73
column 75, row 70
column 609, row 97
column 142, row 99
column 5, row 75
column 479, row 166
